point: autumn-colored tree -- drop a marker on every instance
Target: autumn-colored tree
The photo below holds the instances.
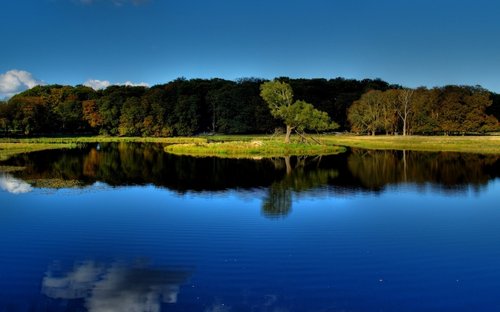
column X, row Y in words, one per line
column 463, row 109
column 91, row 113
column 32, row 115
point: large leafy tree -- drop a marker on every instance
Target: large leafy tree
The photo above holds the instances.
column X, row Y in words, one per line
column 366, row 114
column 463, row 109
column 297, row 115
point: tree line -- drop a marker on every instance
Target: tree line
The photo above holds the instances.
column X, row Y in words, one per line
column 445, row 110
column 188, row 107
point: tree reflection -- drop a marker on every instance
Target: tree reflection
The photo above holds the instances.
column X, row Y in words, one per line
column 116, row 287
column 450, row 171
column 119, row 164
column 302, row 174
column 278, row 202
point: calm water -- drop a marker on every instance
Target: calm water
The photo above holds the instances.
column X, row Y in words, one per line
column 126, row 227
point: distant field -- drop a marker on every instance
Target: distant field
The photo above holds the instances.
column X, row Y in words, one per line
column 466, row 144
column 267, row 145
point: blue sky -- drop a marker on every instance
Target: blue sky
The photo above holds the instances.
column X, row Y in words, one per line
column 413, row 43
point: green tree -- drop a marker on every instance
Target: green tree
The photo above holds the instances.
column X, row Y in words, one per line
column 131, row 117
column 7, row 116
column 155, row 123
column 390, row 110
column 186, row 111
column 366, row 114
column 463, row 109
column 425, row 111
column 298, row 115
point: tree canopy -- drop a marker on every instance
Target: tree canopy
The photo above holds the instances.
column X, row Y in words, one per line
column 189, row 107
column 298, row 115
column 446, row 110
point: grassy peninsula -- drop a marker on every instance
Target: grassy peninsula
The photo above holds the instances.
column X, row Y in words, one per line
column 261, row 147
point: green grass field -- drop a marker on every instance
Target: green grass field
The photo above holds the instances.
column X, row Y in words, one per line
column 465, row 144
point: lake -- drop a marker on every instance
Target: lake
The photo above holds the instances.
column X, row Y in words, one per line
column 127, row 227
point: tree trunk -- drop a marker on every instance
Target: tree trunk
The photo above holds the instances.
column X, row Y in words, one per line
column 288, row 133
column 288, row 165
column 405, row 179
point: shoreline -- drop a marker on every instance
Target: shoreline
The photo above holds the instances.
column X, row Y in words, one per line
column 252, row 146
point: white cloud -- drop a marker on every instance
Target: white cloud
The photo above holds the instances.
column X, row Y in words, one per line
column 12, row 185
column 103, row 84
column 97, row 84
column 132, row 84
column 15, row 81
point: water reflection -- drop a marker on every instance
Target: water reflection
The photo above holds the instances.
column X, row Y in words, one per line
column 357, row 170
column 452, row 172
column 12, row 185
column 119, row 164
column 116, row 287
column 302, row 174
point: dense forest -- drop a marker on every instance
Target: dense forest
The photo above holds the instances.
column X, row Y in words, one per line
column 189, row 107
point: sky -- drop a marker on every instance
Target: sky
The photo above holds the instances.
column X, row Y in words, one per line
column 147, row 42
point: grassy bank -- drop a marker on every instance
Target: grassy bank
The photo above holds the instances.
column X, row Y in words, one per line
column 234, row 148
column 101, row 139
column 13, row 146
column 8, row 150
column 465, row 144
column 266, row 145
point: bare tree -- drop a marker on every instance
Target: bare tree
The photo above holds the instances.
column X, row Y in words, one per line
column 405, row 107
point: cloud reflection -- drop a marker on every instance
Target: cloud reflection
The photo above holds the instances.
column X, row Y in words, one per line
column 75, row 284
column 12, row 185
column 116, row 287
